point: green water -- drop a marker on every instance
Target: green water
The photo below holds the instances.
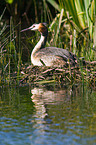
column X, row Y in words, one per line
column 48, row 115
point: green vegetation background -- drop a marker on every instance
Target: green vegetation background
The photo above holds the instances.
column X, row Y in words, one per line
column 71, row 25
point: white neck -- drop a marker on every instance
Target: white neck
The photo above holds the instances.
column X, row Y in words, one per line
column 40, row 44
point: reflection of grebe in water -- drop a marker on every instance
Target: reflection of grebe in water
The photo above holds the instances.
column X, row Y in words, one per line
column 43, row 97
column 43, row 101
column 39, row 104
column 49, row 56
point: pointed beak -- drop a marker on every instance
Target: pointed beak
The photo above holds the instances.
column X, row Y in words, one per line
column 25, row 29
column 33, row 27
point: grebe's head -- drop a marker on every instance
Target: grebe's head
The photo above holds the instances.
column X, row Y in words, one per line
column 41, row 27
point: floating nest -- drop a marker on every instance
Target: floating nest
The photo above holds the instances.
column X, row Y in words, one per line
column 42, row 75
column 29, row 74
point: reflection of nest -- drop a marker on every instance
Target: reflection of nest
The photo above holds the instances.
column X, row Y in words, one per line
column 61, row 75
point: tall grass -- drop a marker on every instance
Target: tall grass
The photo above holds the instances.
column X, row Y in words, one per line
column 10, row 60
column 2, row 29
column 80, row 16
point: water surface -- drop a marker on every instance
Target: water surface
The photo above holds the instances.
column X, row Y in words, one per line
column 48, row 115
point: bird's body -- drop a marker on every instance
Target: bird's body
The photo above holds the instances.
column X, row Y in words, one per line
column 49, row 56
column 52, row 56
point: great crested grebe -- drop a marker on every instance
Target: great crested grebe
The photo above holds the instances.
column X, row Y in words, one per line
column 49, row 56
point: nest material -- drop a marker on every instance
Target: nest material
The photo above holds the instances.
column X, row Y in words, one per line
column 35, row 74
